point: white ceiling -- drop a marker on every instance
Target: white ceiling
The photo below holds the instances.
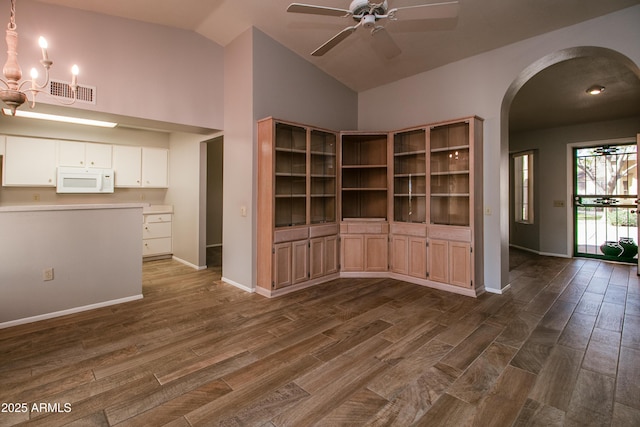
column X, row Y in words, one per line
column 482, row 25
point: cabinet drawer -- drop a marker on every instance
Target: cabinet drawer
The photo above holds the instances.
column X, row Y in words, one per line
column 156, row 246
column 157, row 218
column 450, row 233
column 364, row 227
column 154, row 230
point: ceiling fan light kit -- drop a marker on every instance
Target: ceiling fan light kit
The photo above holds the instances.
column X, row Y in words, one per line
column 368, row 14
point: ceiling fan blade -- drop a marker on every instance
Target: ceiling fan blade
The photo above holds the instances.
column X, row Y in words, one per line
column 384, row 43
column 317, row 10
column 334, row 41
column 426, row 11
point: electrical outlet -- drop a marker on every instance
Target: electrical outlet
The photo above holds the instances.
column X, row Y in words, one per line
column 243, row 211
column 47, row 274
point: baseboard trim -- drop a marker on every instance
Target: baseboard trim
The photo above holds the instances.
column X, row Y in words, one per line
column 68, row 311
column 497, row 291
column 533, row 251
column 238, row 285
column 187, row 263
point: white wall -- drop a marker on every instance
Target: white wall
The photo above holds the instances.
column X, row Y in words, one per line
column 140, row 70
column 478, row 85
column 82, row 246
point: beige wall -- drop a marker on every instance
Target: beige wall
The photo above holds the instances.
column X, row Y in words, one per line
column 478, row 85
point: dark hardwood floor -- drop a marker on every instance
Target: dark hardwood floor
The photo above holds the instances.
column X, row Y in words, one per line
column 560, row 348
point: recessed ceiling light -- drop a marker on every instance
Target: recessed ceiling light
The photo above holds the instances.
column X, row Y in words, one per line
column 65, row 119
column 595, row 90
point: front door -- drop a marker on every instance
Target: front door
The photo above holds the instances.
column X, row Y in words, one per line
column 605, row 197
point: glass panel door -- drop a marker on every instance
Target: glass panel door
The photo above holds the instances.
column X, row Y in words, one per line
column 605, row 194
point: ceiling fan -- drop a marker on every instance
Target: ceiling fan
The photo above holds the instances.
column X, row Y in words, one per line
column 367, row 14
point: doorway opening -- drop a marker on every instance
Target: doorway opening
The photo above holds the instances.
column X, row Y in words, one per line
column 214, row 202
column 605, row 192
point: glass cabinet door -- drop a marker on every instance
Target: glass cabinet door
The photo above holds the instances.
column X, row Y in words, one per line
column 409, row 176
column 291, row 175
column 323, row 177
column 449, row 151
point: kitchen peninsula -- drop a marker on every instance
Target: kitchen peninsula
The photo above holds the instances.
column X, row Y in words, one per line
column 62, row 259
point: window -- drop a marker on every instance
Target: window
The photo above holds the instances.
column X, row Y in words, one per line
column 523, row 183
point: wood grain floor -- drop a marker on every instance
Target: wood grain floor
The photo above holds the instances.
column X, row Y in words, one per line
column 560, row 348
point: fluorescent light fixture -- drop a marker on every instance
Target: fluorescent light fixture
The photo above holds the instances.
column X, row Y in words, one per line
column 55, row 118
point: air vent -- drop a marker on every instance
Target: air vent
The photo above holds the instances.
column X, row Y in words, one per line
column 62, row 89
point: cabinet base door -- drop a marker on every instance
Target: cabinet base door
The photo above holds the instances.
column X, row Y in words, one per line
column 376, row 253
column 352, row 253
column 300, row 257
column 460, row 264
column 418, row 257
column 439, row 260
column 331, row 254
column 316, row 257
column 282, row 266
column 399, row 254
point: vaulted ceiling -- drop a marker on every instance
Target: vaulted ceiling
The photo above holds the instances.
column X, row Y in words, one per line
column 480, row 26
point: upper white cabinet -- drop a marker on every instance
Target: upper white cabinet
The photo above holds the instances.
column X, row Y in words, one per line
column 84, row 154
column 32, row 162
column 140, row 166
column 127, row 165
column 29, row 162
column 155, row 162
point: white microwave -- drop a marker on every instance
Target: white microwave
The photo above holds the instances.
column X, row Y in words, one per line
column 84, row 180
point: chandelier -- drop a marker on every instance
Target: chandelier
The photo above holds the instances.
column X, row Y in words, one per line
column 16, row 92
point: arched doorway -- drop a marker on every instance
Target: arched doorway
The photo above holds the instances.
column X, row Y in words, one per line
column 561, row 203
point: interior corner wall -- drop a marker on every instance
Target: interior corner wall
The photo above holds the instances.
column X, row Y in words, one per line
column 477, row 86
column 187, row 166
column 288, row 87
column 262, row 79
column 238, row 234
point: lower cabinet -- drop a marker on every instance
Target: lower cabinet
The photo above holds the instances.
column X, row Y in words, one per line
column 323, row 256
column 409, row 250
column 157, row 235
column 450, row 262
column 365, row 246
column 299, row 261
column 290, row 263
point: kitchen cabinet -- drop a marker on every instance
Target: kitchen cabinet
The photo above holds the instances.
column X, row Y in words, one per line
column 155, row 162
column 157, row 233
column 33, row 162
column 127, row 165
column 29, row 162
column 84, row 154
column 140, row 166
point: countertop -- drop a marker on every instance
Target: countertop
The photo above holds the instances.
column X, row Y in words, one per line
column 72, row 207
column 157, row 209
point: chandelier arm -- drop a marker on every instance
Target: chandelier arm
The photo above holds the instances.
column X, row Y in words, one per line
column 18, row 91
